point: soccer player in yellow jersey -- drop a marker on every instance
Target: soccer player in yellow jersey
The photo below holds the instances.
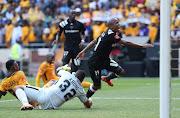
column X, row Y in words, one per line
column 15, row 77
column 47, row 72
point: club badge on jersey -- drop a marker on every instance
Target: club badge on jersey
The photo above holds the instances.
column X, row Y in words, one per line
column 116, row 36
column 41, row 71
column 23, row 79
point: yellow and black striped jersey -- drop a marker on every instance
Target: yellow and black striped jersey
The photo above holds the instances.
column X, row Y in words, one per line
column 12, row 80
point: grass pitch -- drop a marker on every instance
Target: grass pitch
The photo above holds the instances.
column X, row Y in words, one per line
column 129, row 98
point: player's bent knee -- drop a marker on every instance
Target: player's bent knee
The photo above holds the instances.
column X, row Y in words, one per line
column 96, row 87
column 18, row 87
column 122, row 72
column 15, row 88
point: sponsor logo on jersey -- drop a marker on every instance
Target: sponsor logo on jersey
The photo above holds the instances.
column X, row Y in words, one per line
column 23, row 79
column 116, row 36
column 71, row 31
column 10, row 83
column 41, row 71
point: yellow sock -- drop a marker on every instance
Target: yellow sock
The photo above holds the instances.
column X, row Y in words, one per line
column 86, row 84
column 36, row 103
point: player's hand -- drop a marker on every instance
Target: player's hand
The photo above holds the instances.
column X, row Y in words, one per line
column 148, row 45
column 81, row 44
column 54, row 42
column 80, row 55
column 88, row 104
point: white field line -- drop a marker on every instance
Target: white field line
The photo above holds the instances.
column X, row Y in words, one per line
column 128, row 98
column 176, row 109
column 107, row 98
column 9, row 100
column 175, row 84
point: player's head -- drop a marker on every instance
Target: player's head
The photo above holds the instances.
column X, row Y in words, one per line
column 80, row 74
column 72, row 14
column 12, row 65
column 50, row 57
column 113, row 24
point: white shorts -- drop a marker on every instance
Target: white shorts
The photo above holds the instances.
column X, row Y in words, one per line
column 38, row 95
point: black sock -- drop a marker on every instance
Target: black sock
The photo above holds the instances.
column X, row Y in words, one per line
column 110, row 76
column 89, row 93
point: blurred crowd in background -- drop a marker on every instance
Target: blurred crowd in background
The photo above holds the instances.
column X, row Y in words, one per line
column 36, row 21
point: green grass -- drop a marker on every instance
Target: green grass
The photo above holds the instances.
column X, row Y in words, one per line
column 129, row 98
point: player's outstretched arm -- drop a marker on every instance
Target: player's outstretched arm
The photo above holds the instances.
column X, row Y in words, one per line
column 82, row 53
column 134, row 45
column 38, row 80
column 81, row 44
column 56, row 40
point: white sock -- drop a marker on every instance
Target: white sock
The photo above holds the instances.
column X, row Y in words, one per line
column 92, row 89
column 21, row 95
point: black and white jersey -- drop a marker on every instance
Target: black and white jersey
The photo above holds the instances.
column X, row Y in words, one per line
column 72, row 32
column 65, row 89
column 105, row 43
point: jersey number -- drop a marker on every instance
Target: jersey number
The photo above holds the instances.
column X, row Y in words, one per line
column 70, row 94
column 64, row 86
column 99, row 40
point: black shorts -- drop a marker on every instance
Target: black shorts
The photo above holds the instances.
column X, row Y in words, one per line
column 69, row 55
column 95, row 69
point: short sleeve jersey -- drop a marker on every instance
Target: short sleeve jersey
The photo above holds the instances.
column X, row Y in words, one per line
column 46, row 71
column 9, row 82
column 105, row 43
column 65, row 89
column 72, row 32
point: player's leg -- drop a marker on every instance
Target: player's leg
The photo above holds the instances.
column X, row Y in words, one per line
column 86, row 84
column 38, row 95
column 118, row 71
column 115, row 71
column 66, row 57
column 74, row 67
column 21, row 95
column 75, row 63
column 96, row 77
column 32, row 93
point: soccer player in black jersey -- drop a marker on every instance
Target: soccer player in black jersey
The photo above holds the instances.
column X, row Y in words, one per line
column 74, row 32
column 100, row 58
